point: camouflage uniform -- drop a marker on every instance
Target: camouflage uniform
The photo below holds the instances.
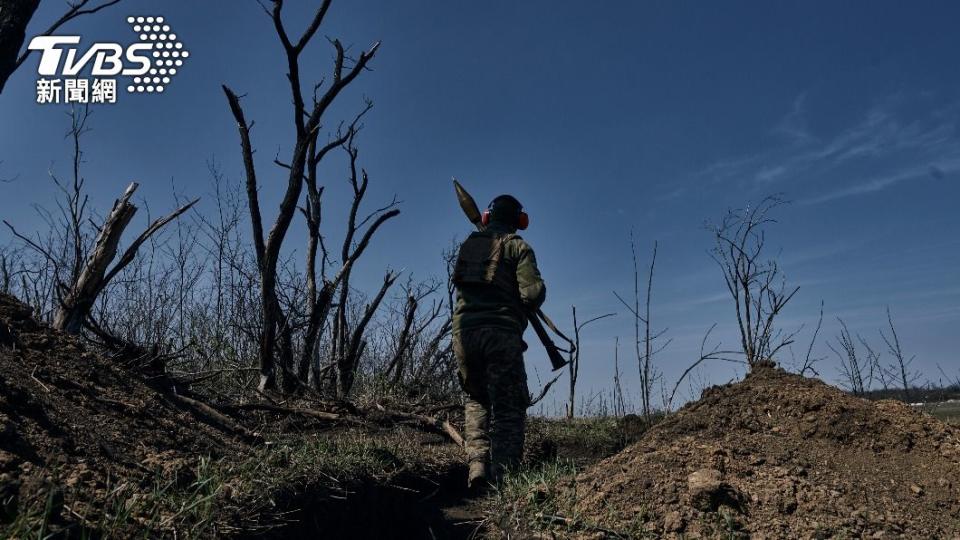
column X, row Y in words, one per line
column 497, row 281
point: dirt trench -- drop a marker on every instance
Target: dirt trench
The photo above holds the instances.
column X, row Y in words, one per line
column 89, row 449
column 410, row 506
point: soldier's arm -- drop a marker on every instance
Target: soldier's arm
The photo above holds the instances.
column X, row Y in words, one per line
column 532, row 289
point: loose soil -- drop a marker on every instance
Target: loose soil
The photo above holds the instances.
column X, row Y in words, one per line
column 90, row 448
column 780, row 456
column 73, row 423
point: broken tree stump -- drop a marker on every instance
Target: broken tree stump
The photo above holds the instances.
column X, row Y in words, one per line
column 79, row 299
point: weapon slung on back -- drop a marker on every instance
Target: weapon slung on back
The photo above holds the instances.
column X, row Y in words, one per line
column 472, row 211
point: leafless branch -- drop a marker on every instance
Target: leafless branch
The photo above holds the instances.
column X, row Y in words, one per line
column 902, row 366
column 757, row 287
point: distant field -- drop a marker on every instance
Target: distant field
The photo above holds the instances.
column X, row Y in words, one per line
column 948, row 412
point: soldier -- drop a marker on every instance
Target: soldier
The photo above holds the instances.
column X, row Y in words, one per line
column 497, row 282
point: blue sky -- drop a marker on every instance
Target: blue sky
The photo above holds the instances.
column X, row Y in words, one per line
column 604, row 118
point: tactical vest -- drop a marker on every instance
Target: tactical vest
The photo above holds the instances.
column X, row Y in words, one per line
column 480, row 262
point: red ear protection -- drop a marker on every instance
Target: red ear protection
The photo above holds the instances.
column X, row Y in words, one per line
column 523, row 221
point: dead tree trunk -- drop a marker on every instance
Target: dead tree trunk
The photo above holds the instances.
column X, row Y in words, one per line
column 350, row 358
column 342, row 340
column 82, row 294
column 307, row 124
column 14, row 17
column 403, row 342
column 318, row 304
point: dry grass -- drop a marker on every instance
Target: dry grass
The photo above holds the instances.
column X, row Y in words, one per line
column 239, row 494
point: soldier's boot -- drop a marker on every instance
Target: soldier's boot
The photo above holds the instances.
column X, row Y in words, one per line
column 478, row 478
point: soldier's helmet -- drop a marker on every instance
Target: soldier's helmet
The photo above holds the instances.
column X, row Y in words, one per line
column 506, row 210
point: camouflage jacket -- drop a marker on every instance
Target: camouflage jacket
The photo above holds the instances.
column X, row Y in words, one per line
column 501, row 303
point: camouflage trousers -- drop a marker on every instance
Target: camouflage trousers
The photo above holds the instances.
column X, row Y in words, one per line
column 495, row 381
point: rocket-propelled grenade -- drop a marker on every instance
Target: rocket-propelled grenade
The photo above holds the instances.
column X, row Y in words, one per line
column 468, row 205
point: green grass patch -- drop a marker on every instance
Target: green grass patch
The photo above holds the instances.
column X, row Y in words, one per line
column 583, row 440
column 216, row 497
column 542, row 499
column 947, row 411
column 528, row 497
column 600, row 432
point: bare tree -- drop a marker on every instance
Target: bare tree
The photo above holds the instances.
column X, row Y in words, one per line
column 901, row 369
column 873, row 358
column 432, row 367
column 648, row 373
column 67, row 240
column 354, row 345
column 307, row 124
column 757, row 286
column 15, row 15
column 857, row 373
column 190, row 300
column 396, row 365
column 317, row 305
column 349, row 254
column 88, row 273
column 573, row 366
column 412, row 327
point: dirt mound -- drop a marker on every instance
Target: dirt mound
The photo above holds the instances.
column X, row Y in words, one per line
column 91, row 449
column 75, row 426
column 782, row 456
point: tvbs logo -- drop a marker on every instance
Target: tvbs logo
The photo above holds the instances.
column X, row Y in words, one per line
column 150, row 64
column 107, row 57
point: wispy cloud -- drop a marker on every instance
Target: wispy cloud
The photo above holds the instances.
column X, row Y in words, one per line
column 729, row 168
column 770, row 174
column 793, row 126
column 892, row 143
column 879, row 183
column 710, row 298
